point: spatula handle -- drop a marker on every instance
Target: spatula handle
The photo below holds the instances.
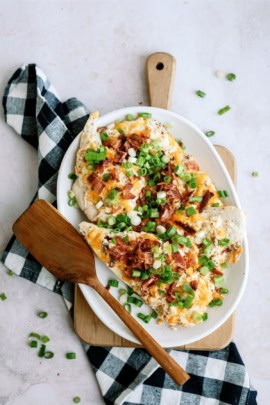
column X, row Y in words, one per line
column 150, row 344
column 160, row 71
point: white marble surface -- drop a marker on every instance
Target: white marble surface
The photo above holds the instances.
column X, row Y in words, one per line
column 96, row 50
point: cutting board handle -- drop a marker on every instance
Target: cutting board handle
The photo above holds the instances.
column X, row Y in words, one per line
column 160, row 72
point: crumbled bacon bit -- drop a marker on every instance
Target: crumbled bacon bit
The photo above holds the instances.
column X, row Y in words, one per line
column 188, row 229
column 148, row 283
column 166, row 212
column 119, row 157
column 206, row 197
column 171, row 191
column 194, row 284
column 171, row 292
column 192, row 165
column 217, row 272
column 96, row 184
column 136, row 140
column 127, row 195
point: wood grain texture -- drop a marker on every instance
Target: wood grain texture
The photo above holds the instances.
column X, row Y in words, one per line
column 160, row 72
column 91, row 330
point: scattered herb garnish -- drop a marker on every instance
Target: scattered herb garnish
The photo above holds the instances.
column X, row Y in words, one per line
column 254, row 174
column 71, row 356
column 43, row 314
column 224, row 110
column 3, row 296
column 200, row 93
column 113, row 283
column 72, row 176
column 231, row 76
column 210, row 133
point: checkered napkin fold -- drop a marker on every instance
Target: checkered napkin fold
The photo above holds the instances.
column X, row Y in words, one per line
column 125, row 376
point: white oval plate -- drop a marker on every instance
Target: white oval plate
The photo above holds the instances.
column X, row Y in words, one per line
column 210, row 162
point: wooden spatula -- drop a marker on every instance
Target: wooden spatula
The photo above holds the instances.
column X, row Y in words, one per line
column 61, row 250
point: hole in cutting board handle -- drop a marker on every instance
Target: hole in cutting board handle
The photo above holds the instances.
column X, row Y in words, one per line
column 160, row 66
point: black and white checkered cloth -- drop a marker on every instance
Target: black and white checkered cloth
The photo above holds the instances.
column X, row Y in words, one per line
column 126, row 376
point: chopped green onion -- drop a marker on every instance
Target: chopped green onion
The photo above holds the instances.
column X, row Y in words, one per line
column 154, row 314
column 151, row 182
column 48, row 355
column 215, row 204
column 42, row 351
column 150, row 226
column 143, row 317
column 135, row 301
column 224, row 291
column 34, row 335
column 136, row 273
column 254, row 174
column 122, row 291
column 120, row 130
column 215, row 303
column 175, row 248
column 127, row 307
column 43, row 314
column 205, row 316
column 3, row 296
column 145, row 275
column 130, row 117
column 154, row 213
column 33, row 344
column 209, row 133
column 10, row 273
column 223, row 193
column 171, row 231
column 231, row 76
column 191, row 211
column 224, row 265
column 143, row 171
column 195, row 199
column 104, row 137
column 71, row 356
column 200, row 93
column 112, row 194
column 113, row 241
column 179, row 169
column 45, row 339
column 94, row 156
column 197, row 317
column 219, row 281
column 188, row 301
column 145, row 115
column 106, row 176
column 113, row 283
column 127, row 165
column 72, row 176
column 76, row 400
column 224, row 242
column 224, row 110
column 111, row 220
column 130, row 291
column 125, row 239
column 188, row 289
column 167, row 179
column 165, row 159
column 204, row 270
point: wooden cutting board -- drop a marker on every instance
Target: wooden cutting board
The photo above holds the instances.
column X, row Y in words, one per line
column 92, row 331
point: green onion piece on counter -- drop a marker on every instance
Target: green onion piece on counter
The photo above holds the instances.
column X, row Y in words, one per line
column 122, row 291
column 130, row 117
column 143, row 317
column 254, row 174
column 219, row 281
column 113, row 283
column 76, row 400
column 33, row 344
column 48, row 355
column 223, row 193
column 195, row 199
column 34, row 335
column 103, row 136
column 154, row 315
column 224, row 242
column 209, row 133
column 200, row 93
column 204, row 270
column 147, row 318
column 224, row 291
column 106, row 176
column 191, row 211
column 3, row 296
column 205, row 316
column 10, row 273
column 167, row 179
column 231, row 76
column 45, row 339
column 215, row 204
column 72, row 176
column 42, row 351
column 136, row 273
column 127, row 308
column 145, row 115
column 224, row 110
column 215, row 303
column 43, row 314
column 71, row 356
column 135, row 301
